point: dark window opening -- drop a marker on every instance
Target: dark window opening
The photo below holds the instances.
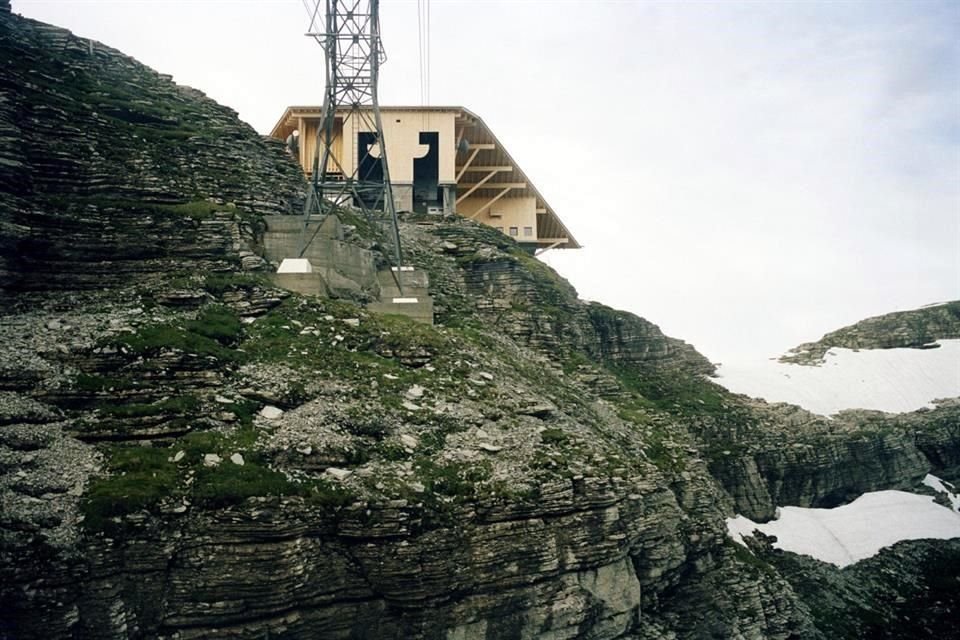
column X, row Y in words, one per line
column 369, row 169
column 426, row 174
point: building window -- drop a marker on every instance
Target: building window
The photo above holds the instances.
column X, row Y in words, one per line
column 500, row 229
column 528, row 231
column 513, row 232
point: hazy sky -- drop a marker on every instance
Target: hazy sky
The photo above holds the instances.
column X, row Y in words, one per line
column 747, row 175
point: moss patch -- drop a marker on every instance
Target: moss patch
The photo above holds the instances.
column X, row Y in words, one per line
column 179, row 405
column 140, row 477
column 209, row 335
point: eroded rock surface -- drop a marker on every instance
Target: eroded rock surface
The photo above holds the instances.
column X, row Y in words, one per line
column 189, row 452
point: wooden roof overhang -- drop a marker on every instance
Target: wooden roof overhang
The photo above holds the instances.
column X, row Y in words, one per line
column 485, row 168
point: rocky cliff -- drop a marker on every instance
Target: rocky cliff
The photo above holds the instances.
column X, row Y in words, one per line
column 784, row 455
column 111, row 171
column 187, row 451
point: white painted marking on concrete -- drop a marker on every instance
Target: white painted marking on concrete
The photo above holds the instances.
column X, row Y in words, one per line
column 406, row 300
column 295, row 265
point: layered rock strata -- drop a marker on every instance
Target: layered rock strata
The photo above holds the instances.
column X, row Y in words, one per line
column 187, row 451
column 112, row 172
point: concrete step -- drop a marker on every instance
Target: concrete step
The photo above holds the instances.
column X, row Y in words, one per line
column 411, row 282
column 419, row 308
column 408, row 276
column 411, row 298
column 309, row 284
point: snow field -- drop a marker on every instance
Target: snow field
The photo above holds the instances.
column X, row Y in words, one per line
column 859, row 530
column 892, row 380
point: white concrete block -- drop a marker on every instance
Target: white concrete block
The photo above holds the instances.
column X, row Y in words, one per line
column 295, row 265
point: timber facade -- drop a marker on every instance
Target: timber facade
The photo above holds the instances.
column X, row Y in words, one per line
column 442, row 160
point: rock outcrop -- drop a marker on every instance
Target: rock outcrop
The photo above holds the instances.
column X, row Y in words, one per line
column 907, row 592
column 520, row 296
column 187, row 451
column 917, row 329
column 792, row 457
column 112, row 172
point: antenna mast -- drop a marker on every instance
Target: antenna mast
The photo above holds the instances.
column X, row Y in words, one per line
column 349, row 32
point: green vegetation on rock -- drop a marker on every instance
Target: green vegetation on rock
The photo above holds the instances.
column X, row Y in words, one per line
column 209, row 335
column 140, row 477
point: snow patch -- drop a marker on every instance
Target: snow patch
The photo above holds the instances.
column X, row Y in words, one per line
column 853, row 532
column 892, row 380
column 942, row 486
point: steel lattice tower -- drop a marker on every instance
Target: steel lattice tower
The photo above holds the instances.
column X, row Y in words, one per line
column 350, row 37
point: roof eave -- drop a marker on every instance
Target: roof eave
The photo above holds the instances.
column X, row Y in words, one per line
column 571, row 241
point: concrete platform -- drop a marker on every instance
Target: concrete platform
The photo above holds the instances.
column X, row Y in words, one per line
column 332, row 267
column 405, row 291
column 346, row 268
column 417, row 308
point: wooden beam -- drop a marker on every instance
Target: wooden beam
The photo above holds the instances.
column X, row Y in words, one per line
column 476, row 186
column 552, row 245
column 466, row 165
column 456, row 145
column 489, row 204
column 541, row 210
column 504, row 167
column 489, row 146
column 495, row 185
column 302, row 144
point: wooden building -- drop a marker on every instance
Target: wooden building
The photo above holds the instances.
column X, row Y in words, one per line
column 442, row 160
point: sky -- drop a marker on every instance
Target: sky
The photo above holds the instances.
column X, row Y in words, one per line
column 747, row 175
